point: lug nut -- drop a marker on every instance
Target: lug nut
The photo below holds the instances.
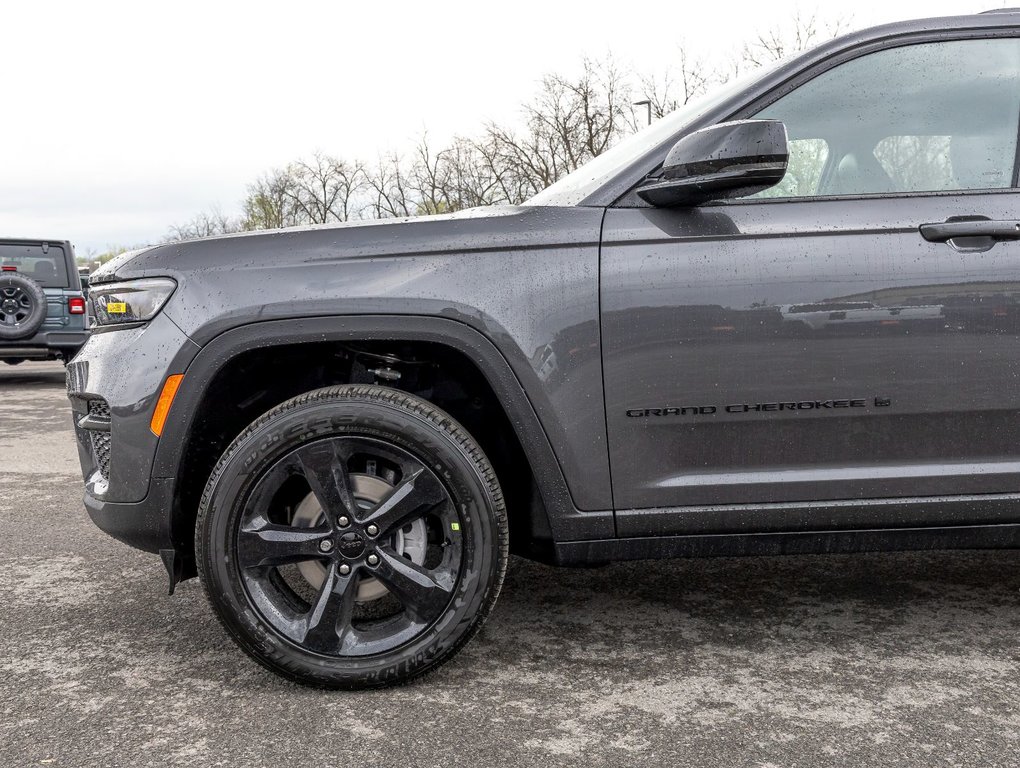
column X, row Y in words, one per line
column 372, row 530
column 373, row 559
column 343, row 521
column 344, row 569
column 325, row 545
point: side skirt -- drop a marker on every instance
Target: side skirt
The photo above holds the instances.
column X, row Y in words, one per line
column 1006, row 536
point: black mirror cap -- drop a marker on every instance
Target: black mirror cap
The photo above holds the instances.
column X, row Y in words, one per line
column 722, row 161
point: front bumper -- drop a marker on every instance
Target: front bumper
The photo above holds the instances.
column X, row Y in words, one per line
column 143, row 524
column 113, row 384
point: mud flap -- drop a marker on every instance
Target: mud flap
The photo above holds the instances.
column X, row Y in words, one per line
column 174, row 567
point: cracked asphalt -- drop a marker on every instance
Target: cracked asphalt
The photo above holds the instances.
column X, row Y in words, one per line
column 885, row 659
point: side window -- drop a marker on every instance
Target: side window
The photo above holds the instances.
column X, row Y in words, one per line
column 804, row 173
column 919, row 118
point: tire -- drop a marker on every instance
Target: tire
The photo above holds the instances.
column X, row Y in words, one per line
column 14, row 360
column 22, row 306
column 374, row 472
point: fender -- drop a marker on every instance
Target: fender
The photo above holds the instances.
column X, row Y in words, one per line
column 567, row 523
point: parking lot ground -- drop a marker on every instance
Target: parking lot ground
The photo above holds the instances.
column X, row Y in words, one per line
column 870, row 660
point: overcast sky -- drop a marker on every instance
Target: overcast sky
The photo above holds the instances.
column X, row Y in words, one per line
column 122, row 118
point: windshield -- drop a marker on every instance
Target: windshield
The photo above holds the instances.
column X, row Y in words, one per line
column 576, row 186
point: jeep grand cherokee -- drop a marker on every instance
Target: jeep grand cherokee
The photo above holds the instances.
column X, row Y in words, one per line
column 344, row 430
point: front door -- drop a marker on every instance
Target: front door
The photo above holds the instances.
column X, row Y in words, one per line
column 813, row 343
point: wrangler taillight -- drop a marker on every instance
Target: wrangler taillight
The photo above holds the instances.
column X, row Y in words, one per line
column 76, row 305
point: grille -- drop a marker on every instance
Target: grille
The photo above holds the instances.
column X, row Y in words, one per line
column 100, row 409
column 101, row 450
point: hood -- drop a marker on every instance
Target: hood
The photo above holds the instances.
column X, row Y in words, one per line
column 465, row 230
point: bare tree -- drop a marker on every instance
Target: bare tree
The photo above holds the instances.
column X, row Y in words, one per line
column 670, row 90
column 474, row 181
column 270, row 202
column 454, row 178
column 570, row 122
column 389, row 189
column 325, row 188
column 801, row 33
column 205, row 224
column 510, row 181
column 428, row 180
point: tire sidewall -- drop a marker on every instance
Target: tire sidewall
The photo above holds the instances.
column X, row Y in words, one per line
column 257, row 450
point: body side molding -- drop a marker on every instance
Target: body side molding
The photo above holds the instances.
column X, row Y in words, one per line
column 905, row 512
column 790, row 543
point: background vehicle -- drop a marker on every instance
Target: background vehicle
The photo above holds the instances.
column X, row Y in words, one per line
column 42, row 306
column 344, row 429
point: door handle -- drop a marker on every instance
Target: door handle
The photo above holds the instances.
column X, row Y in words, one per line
column 970, row 227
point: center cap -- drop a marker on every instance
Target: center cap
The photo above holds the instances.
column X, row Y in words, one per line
column 351, row 545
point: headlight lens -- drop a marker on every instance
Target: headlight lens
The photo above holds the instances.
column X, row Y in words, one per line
column 133, row 301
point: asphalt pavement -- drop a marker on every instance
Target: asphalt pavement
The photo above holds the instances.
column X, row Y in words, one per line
column 867, row 660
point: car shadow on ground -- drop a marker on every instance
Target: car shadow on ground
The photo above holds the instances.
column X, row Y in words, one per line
column 643, row 619
column 31, row 375
column 829, row 601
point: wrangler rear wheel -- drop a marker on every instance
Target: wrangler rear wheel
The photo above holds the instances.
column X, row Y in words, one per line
column 352, row 537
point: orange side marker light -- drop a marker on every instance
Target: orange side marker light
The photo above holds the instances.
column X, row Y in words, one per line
column 166, row 399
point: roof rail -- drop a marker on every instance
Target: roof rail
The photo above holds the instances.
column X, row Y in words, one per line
column 1001, row 10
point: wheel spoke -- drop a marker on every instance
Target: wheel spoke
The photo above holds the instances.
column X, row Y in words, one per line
column 327, row 627
column 408, row 501
column 325, row 468
column 318, row 614
column 421, row 594
column 272, row 544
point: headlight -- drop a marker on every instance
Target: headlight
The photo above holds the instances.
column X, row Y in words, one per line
column 133, row 301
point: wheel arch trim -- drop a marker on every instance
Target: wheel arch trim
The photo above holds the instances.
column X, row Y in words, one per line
column 566, row 521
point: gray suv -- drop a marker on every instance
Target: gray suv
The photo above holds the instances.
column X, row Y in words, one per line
column 784, row 319
column 43, row 315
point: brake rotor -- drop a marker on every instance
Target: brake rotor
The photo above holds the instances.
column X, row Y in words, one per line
column 410, row 541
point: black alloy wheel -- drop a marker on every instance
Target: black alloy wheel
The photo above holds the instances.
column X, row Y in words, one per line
column 352, row 537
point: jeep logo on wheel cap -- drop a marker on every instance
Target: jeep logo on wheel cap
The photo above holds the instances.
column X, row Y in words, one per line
column 351, row 545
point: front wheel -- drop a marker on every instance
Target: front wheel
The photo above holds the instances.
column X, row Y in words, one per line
column 352, row 537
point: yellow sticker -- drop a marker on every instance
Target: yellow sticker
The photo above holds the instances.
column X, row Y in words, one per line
column 116, row 308
column 454, row 526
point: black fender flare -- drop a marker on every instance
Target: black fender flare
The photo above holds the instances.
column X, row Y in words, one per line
column 566, row 522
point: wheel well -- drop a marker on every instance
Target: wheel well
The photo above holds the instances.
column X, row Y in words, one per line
column 253, row 382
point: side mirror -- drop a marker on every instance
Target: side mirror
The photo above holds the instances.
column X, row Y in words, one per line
column 722, row 161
